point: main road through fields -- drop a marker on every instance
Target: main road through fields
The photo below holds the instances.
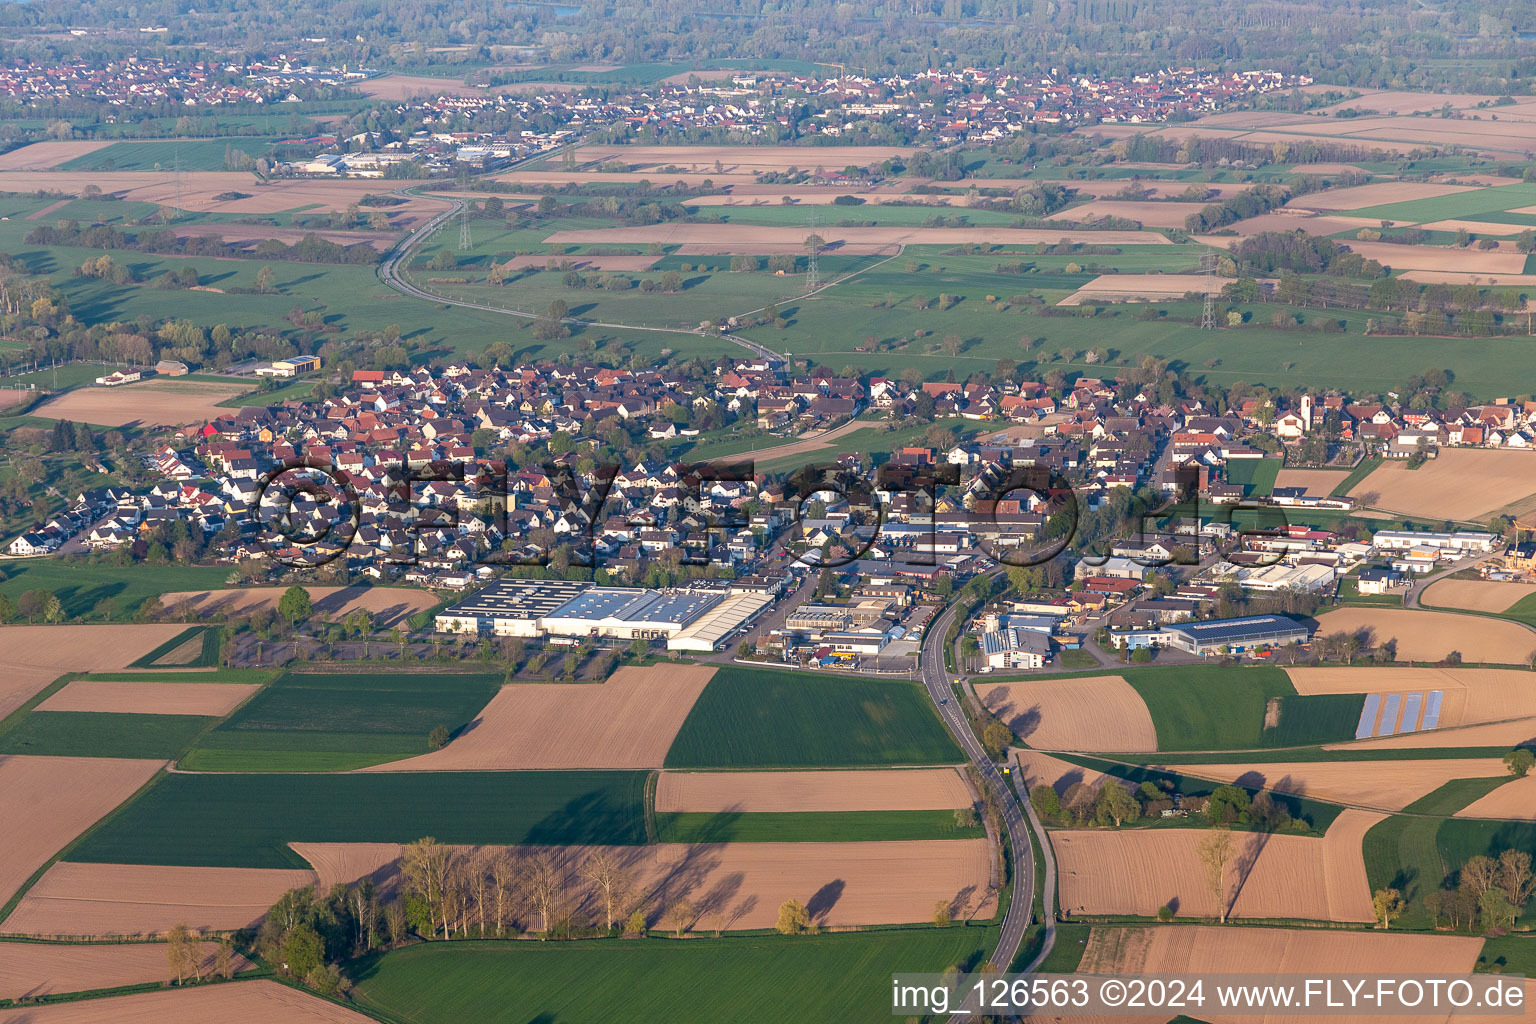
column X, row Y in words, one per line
column 1016, row 920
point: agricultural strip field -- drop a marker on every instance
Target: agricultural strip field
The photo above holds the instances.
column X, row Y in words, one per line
column 325, row 721
column 810, row 826
column 248, row 820
column 57, row 798
column 245, row 1002
column 1515, row 799
column 159, row 155
column 103, row 734
column 764, row 718
column 1377, row 785
column 834, row 977
column 1100, row 713
column 928, row 789
column 1137, row 871
column 1468, row 204
column 627, row 721
column 1476, row 595
column 31, row 657
column 1430, row 636
column 37, row 969
column 116, row 592
column 732, row 159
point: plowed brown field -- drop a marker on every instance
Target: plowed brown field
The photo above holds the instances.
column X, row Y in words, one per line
column 39, row 968
column 1430, row 636
column 243, row 1002
column 47, row 801
column 31, row 657
column 1380, row 785
column 140, row 899
column 163, row 403
column 1137, row 871
column 149, row 698
column 1102, row 713
column 742, row 158
column 1475, row 595
column 1462, row 483
column 1515, row 799
column 40, row 156
column 627, row 722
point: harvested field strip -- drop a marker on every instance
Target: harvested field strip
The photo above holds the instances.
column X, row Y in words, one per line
column 840, row 977
column 245, row 1002
column 1476, row 595
column 1099, row 713
column 626, row 722
column 203, row 699
column 1137, row 871
column 103, row 734
column 58, row 798
column 1430, row 636
column 249, row 820
column 40, row 156
column 1380, row 785
column 138, row 899
column 31, row 969
column 726, row 159
column 916, row 789
column 1466, row 484
column 1316, row 481
column 305, row 720
column 811, row 827
column 173, row 644
column 763, row 718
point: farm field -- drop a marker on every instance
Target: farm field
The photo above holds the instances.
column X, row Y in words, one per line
column 1476, row 595
column 59, row 797
column 307, row 721
column 136, row 899
column 245, row 1002
column 1135, row 287
column 1378, row 785
column 1136, row 871
column 1515, row 799
column 390, row 606
column 1042, row 769
column 766, row 239
column 1098, row 713
column 629, row 721
column 40, row 156
column 249, row 820
column 1375, row 194
column 153, row 403
column 736, row 159
column 831, row 977
column 786, row 792
column 1468, row 484
column 36, row 969
column 810, row 827
column 168, row 154
column 97, row 734
column 1479, row 707
column 1256, row 475
column 31, row 657
column 149, row 698
column 1430, row 636
column 1468, row 204
column 765, row 718
column 1316, row 481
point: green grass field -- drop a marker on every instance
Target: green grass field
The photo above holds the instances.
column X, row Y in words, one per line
column 1206, row 707
column 1319, row 718
column 99, row 734
column 811, row 827
column 1523, row 610
column 1414, row 854
column 765, row 718
column 833, row 978
column 166, row 154
column 248, row 820
column 82, row 585
column 1478, row 204
column 325, row 721
column 1256, row 475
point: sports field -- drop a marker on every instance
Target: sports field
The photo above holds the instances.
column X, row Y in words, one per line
column 248, row 820
column 765, row 718
column 834, row 977
column 325, row 721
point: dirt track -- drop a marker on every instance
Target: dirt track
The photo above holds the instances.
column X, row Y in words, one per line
column 30, row 969
column 627, row 722
column 1430, row 636
column 48, row 801
column 244, row 1002
column 912, row 789
column 138, row 899
column 1137, row 871
column 1092, row 713
column 149, row 698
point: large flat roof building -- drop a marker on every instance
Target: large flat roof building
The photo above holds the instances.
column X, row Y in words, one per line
column 509, row 607
column 628, row 614
column 1236, row 635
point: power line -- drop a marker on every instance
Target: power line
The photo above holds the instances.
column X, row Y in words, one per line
column 465, row 243
column 1208, row 270
column 812, row 244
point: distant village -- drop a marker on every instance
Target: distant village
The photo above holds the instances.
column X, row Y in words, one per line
column 659, row 529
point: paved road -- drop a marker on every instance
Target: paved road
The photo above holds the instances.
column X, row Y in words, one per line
column 1420, row 584
column 937, row 680
column 389, row 273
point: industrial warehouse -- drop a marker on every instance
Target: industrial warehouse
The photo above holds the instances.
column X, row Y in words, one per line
column 1218, row 636
column 687, row 619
